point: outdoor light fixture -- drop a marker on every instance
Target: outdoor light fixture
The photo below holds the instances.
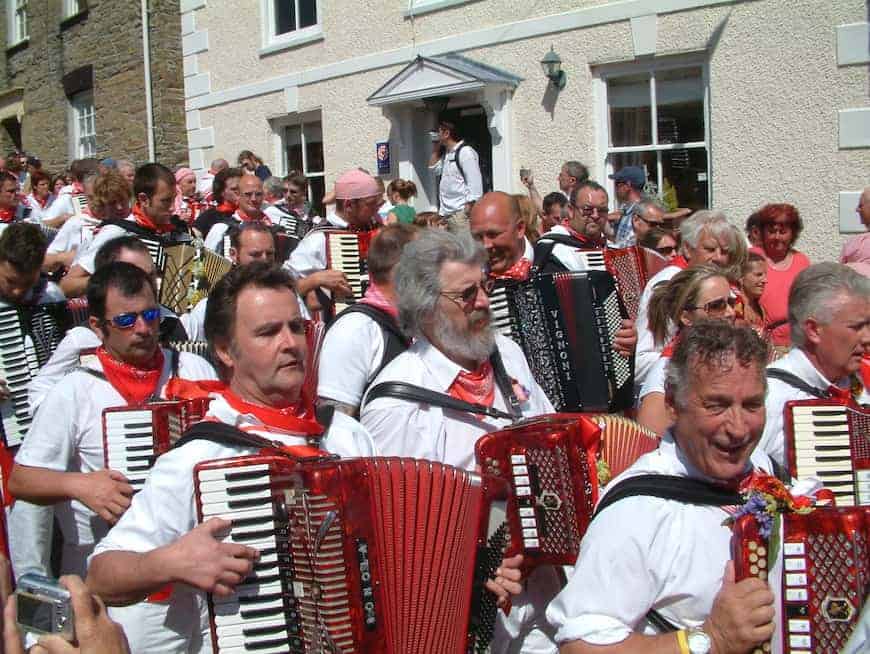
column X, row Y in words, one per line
column 552, row 65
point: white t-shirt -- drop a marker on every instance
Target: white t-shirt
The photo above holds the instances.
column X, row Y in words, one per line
column 37, row 212
column 778, row 393
column 352, row 351
column 63, row 204
column 67, row 435
column 644, row 553
column 646, row 353
column 76, row 233
column 85, row 256
column 455, row 191
column 165, row 510
column 194, row 321
column 310, row 255
column 655, row 379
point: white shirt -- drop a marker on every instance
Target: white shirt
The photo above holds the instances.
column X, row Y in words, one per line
column 194, row 321
column 63, row 204
column 352, row 351
column 204, row 183
column 778, row 393
column 85, row 257
column 646, row 353
column 645, row 553
column 215, row 238
column 75, row 442
column 310, row 255
column 165, row 510
column 455, row 191
column 568, row 256
column 655, row 379
column 401, row 428
column 38, row 213
column 77, row 232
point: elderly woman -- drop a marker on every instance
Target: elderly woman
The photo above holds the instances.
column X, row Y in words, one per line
column 781, row 225
column 187, row 201
column 699, row 293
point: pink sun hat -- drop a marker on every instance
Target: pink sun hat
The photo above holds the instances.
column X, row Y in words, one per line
column 355, row 184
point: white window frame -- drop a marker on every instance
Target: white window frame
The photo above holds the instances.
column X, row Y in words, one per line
column 72, row 8
column 602, row 116
column 279, row 129
column 82, row 143
column 272, row 42
column 16, row 20
column 417, row 7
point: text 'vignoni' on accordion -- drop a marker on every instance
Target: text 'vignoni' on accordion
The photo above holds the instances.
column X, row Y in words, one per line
column 825, row 574
column 830, row 440
column 348, row 252
column 550, row 464
column 189, row 273
column 28, row 336
column 134, row 436
column 365, row 555
column 568, row 323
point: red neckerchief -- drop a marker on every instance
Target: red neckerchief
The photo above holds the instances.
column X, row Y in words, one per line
column 865, row 370
column 477, row 387
column 841, row 394
column 584, row 240
column 519, row 271
column 376, row 298
column 187, row 389
column 41, row 203
column 262, row 218
column 369, row 227
column 295, row 419
column 134, row 384
column 77, row 188
column 8, row 215
column 668, row 350
column 227, row 207
column 680, row 262
column 147, row 223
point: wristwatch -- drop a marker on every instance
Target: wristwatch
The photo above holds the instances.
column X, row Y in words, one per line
column 699, row 641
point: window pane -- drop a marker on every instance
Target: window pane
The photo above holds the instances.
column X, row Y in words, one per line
column 680, row 105
column 314, row 148
column 629, row 103
column 307, row 13
column 316, row 191
column 293, row 145
column 684, row 178
column 285, row 16
column 646, row 160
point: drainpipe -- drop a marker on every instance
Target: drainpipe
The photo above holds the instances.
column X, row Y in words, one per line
column 149, row 104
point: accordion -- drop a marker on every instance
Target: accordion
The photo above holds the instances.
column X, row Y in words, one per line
column 134, row 436
column 825, row 574
column 550, row 464
column 29, row 335
column 199, row 348
column 291, row 225
column 188, row 274
column 348, row 252
column 358, row 555
column 830, row 440
column 78, row 311
column 567, row 323
column 623, row 441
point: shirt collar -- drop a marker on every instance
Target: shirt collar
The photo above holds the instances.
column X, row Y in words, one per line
column 529, row 250
column 684, row 468
column 797, row 362
column 455, row 147
column 335, row 220
column 441, row 370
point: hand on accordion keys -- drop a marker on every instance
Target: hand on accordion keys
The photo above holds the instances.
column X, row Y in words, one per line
column 5, row 393
column 201, row 560
column 742, row 614
column 334, row 281
column 625, row 339
column 508, row 580
column 105, row 492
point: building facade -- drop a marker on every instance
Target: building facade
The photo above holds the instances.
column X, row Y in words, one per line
column 75, row 76
column 727, row 104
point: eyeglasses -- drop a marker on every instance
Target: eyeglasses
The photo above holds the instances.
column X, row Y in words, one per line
column 716, row 307
column 588, row 210
column 465, row 299
column 127, row 320
column 666, row 250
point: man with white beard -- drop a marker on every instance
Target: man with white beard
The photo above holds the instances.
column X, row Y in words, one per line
column 441, row 287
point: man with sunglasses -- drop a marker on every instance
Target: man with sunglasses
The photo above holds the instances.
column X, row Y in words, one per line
column 648, row 215
column 250, row 209
column 442, row 297
column 61, row 460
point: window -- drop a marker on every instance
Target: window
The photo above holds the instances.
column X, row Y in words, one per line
column 72, row 7
column 657, row 119
column 290, row 22
column 17, row 21
column 83, row 132
column 303, row 152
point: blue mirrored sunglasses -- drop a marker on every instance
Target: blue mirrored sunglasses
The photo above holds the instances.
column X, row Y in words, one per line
column 127, row 320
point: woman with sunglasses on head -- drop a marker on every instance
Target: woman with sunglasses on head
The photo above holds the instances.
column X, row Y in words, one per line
column 699, row 293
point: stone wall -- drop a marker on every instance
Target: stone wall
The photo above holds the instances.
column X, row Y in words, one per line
column 107, row 37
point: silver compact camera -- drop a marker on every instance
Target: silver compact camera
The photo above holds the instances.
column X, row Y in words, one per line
column 44, row 607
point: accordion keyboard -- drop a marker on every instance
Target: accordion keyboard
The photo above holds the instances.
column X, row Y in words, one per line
column 344, row 255
column 18, row 365
column 502, row 320
column 594, row 259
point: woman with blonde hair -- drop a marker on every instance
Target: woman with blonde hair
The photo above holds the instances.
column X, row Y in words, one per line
column 529, row 215
column 698, row 293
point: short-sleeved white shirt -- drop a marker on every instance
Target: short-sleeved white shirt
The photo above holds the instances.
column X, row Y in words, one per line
column 75, row 234
column 85, row 257
column 352, row 352
column 310, row 255
column 165, row 510
column 655, row 379
column 646, row 353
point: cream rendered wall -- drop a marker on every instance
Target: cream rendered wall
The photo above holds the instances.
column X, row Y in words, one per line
column 775, row 90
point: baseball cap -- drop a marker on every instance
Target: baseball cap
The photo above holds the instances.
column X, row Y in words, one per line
column 355, row 184
column 633, row 175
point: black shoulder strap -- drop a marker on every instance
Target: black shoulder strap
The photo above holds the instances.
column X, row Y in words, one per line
column 670, row 487
column 174, row 361
column 223, row 434
column 324, row 414
column 459, row 163
column 412, row 393
column 503, row 381
column 796, row 382
column 395, row 340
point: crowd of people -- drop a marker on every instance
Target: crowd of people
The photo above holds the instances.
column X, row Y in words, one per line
column 731, row 325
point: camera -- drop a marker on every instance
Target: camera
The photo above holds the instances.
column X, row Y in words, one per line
column 44, row 607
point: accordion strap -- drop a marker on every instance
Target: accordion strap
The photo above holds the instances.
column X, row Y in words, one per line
column 670, row 487
column 224, row 434
column 412, row 393
column 796, row 382
column 504, row 384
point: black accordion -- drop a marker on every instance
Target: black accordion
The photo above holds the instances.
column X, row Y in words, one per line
column 566, row 323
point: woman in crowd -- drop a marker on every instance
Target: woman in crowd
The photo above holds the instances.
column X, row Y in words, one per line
column 187, row 202
column 40, row 197
column 662, row 241
column 529, row 216
column 251, row 163
column 400, row 192
column 781, row 226
column 752, row 284
column 697, row 293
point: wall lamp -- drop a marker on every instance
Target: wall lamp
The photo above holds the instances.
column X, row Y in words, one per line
column 552, row 65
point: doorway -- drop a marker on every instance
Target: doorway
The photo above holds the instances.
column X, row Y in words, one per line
column 474, row 130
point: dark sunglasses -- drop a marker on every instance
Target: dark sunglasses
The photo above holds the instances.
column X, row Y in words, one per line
column 717, row 306
column 666, row 250
column 127, row 320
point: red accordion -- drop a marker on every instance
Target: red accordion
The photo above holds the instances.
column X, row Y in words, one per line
column 825, row 574
column 550, row 464
column 348, row 252
column 358, row 555
column 623, row 441
column 134, row 436
column 830, row 440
